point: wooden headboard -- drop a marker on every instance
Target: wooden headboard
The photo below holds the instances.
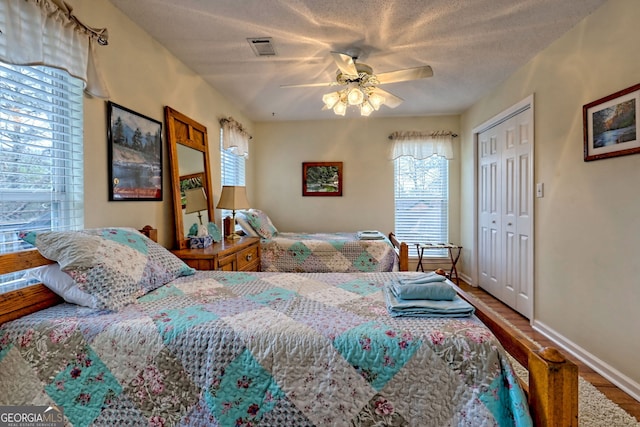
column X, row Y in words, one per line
column 18, row 303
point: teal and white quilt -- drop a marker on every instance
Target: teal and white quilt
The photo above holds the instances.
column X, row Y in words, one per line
column 326, row 252
column 260, row 349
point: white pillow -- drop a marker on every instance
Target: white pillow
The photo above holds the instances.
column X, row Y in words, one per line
column 241, row 220
column 62, row 284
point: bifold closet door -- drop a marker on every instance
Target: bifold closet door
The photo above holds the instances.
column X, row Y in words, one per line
column 505, row 211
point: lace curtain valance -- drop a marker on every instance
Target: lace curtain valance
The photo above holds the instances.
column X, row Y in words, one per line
column 234, row 137
column 45, row 32
column 422, row 145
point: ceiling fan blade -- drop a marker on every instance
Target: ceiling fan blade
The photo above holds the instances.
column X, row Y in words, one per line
column 345, row 63
column 390, row 100
column 404, row 75
column 310, row 85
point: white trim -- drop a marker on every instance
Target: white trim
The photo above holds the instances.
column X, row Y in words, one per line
column 622, row 381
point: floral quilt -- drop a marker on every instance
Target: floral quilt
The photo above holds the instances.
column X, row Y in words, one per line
column 268, row 349
column 326, row 252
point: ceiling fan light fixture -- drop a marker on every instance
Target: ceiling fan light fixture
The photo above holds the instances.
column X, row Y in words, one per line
column 366, row 109
column 340, row 108
column 330, row 99
column 376, row 101
column 355, row 96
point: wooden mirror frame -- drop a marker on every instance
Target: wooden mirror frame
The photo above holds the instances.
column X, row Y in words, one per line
column 186, row 131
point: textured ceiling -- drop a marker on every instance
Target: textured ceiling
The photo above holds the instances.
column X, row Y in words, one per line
column 472, row 46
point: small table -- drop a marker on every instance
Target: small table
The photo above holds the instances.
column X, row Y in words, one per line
column 453, row 258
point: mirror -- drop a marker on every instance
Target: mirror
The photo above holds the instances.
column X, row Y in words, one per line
column 190, row 169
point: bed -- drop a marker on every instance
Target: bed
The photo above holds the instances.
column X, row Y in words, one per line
column 267, row 348
column 363, row 251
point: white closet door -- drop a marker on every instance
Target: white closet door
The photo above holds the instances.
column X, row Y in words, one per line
column 524, row 214
column 505, row 225
column 489, row 219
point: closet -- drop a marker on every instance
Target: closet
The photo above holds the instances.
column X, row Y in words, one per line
column 505, row 207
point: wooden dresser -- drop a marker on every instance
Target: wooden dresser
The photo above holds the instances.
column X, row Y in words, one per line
column 227, row 255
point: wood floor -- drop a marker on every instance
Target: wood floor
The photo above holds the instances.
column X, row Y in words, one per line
column 621, row 398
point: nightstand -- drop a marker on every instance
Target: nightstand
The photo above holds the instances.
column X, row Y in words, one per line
column 227, row 255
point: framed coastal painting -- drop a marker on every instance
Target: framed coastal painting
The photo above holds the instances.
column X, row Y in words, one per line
column 322, row 179
column 610, row 125
column 135, row 155
column 187, row 182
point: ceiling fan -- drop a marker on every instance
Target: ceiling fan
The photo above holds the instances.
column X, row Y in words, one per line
column 360, row 85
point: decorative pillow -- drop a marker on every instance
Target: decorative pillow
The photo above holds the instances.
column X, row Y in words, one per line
column 62, row 284
column 113, row 265
column 261, row 223
column 241, row 220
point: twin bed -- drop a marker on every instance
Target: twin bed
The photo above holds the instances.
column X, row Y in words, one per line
column 191, row 347
column 367, row 251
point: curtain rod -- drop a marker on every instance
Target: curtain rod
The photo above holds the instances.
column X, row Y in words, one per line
column 101, row 34
column 453, row 135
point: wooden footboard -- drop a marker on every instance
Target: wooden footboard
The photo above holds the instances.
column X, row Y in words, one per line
column 552, row 391
column 403, row 252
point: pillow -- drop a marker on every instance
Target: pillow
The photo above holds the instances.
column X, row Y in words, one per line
column 261, row 223
column 241, row 220
column 113, row 265
column 62, row 284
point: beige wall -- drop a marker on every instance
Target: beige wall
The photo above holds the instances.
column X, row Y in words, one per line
column 586, row 226
column 362, row 145
column 143, row 76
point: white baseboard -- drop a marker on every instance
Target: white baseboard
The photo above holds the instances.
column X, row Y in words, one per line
column 623, row 382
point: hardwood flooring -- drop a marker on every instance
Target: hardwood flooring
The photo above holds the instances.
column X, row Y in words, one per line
column 618, row 396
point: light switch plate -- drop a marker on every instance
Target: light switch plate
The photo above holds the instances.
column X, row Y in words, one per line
column 540, row 189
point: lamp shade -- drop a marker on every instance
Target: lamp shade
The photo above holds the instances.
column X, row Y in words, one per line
column 196, row 200
column 233, row 197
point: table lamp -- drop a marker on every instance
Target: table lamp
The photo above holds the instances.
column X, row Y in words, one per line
column 196, row 201
column 233, row 197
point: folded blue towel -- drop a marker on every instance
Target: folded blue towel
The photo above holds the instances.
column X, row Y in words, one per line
column 426, row 308
column 430, row 277
column 438, row 291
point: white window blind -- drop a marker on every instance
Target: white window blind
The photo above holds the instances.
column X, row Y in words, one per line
column 422, row 201
column 232, row 169
column 41, row 155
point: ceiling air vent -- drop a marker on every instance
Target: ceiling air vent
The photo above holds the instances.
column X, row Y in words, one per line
column 262, row 46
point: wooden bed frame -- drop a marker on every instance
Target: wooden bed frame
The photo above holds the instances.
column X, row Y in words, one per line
column 553, row 380
column 402, row 250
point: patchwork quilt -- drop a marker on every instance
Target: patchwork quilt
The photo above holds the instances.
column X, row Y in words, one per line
column 260, row 349
column 326, row 252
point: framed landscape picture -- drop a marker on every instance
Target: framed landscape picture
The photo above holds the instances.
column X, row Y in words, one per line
column 610, row 125
column 135, row 155
column 322, row 179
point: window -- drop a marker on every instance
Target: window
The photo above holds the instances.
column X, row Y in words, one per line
column 232, row 170
column 41, row 156
column 422, row 201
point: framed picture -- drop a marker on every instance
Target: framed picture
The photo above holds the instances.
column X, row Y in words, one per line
column 610, row 125
column 322, row 179
column 135, row 155
column 187, row 182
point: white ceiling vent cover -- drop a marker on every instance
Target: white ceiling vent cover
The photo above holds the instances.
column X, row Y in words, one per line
column 262, row 46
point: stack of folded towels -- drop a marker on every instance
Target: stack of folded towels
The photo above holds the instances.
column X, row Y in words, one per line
column 370, row 235
column 425, row 295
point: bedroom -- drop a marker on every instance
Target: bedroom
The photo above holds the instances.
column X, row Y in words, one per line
column 586, row 292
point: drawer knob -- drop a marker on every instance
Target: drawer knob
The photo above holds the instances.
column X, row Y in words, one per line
column 248, row 257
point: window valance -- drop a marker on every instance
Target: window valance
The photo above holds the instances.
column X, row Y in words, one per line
column 234, row 137
column 422, row 145
column 45, row 32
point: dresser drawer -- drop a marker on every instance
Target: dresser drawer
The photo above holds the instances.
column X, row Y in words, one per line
column 248, row 258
